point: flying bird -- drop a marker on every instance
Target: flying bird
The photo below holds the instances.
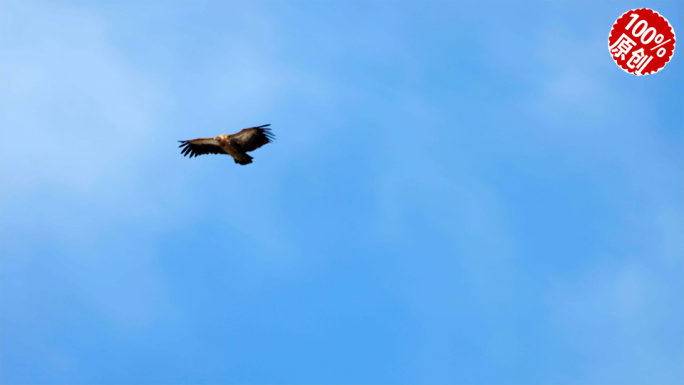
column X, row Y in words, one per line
column 236, row 145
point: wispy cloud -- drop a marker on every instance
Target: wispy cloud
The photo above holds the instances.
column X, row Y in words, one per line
column 76, row 121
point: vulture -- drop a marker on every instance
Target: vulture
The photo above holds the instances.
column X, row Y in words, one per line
column 236, row 145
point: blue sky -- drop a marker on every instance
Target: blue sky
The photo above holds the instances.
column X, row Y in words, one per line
column 459, row 193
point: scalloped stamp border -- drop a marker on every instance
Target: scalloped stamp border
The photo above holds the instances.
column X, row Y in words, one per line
column 641, row 41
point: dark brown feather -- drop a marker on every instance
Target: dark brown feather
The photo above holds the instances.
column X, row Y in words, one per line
column 201, row 146
column 236, row 145
column 252, row 138
column 238, row 154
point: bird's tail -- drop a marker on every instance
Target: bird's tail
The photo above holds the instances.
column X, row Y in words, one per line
column 243, row 159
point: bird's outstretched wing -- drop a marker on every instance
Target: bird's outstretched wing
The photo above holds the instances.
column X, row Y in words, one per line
column 201, row 146
column 252, row 138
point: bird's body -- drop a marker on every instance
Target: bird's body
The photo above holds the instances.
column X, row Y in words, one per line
column 236, row 145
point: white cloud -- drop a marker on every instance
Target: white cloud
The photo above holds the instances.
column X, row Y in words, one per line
column 76, row 120
column 75, row 113
column 612, row 312
column 616, row 317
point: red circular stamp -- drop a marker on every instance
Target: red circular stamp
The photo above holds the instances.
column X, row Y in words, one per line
column 641, row 41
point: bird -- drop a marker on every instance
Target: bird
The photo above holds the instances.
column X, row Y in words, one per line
column 236, row 145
